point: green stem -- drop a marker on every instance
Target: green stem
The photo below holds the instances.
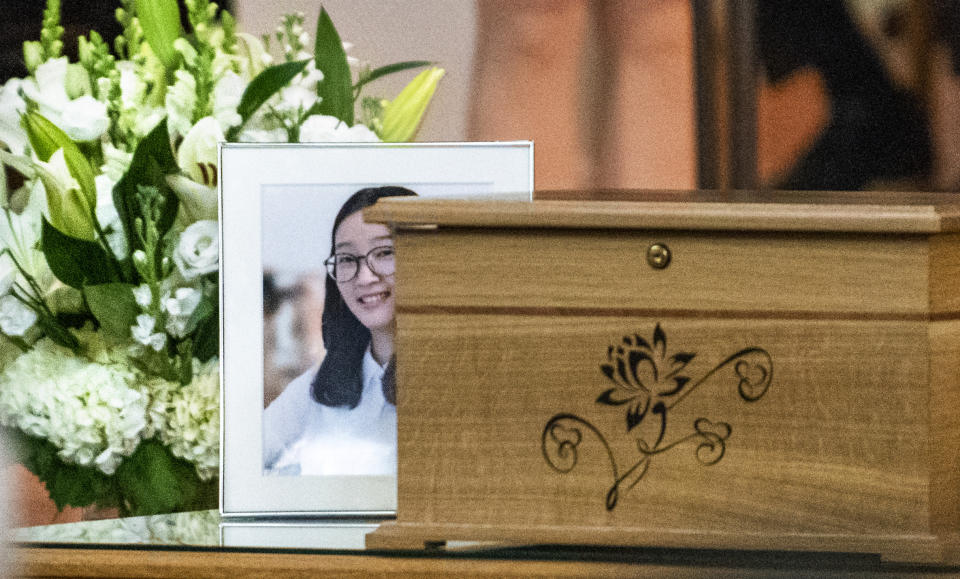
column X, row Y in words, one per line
column 102, row 239
column 18, row 342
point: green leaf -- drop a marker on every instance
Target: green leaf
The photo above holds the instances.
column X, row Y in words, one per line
column 153, row 481
column 114, row 307
column 76, row 262
column 389, row 69
column 204, row 310
column 160, row 21
column 336, row 90
column 206, row 338
column 261, row 88
column 55, row 329
column 152, row 161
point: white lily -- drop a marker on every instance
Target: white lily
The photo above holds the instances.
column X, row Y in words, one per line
column 67, row 206
column 20, row 233
column 12, row 106
column 197, row 158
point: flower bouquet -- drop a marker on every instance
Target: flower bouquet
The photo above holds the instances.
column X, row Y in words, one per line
column 109, row 382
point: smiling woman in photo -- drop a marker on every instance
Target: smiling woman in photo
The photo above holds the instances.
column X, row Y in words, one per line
column 340, row 418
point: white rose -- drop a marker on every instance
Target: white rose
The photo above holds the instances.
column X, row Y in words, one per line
column 198, row 251
column 48, row 87
column 15, row 317
column 328, row 129
column 82, row 119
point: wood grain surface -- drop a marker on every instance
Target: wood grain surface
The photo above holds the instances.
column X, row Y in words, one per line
column 550, row 379
column 761, row 274
column 106, row 563
column 838, row 443
column 705, row 211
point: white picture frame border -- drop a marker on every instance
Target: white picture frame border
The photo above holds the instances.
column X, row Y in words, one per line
column 246, row 170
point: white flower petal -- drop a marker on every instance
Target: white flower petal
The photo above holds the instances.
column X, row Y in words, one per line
column 198, row 250
column 328, row 129
column 84, row 119
column 15, row 317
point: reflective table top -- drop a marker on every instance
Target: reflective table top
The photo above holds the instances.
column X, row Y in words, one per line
column 208, row 531
column 205, row 529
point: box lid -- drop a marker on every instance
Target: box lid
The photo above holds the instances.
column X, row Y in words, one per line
column 866, row 211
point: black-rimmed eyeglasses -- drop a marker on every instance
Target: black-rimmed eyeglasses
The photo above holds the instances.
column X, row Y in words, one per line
column 343, row 267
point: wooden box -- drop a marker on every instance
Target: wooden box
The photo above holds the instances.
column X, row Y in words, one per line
column 764, row 371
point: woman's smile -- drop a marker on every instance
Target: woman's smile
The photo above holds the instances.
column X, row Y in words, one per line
column 368, row 295
column 374, row 299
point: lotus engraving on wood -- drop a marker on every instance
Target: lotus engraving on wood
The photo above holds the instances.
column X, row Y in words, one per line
column 649, row 383
column 790, row 382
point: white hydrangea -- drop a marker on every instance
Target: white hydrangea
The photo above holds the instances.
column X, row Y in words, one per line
column 188, row 417
column 93, row 411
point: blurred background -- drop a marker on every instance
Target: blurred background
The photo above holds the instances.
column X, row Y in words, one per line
column 674, row 94
column 634, row 94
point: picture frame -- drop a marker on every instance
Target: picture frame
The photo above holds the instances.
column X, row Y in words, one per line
column 279, row 204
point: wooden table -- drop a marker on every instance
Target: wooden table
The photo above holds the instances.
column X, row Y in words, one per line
column 158, row 562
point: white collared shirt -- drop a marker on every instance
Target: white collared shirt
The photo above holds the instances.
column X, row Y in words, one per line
column 301, row 436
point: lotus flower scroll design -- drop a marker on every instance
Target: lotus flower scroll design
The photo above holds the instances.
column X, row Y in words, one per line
column 649, row 382
column 644, row 377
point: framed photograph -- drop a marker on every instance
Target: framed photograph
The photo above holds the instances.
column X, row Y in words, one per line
column 308, row 414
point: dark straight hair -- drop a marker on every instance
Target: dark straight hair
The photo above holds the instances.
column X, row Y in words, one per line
column 339, row 381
